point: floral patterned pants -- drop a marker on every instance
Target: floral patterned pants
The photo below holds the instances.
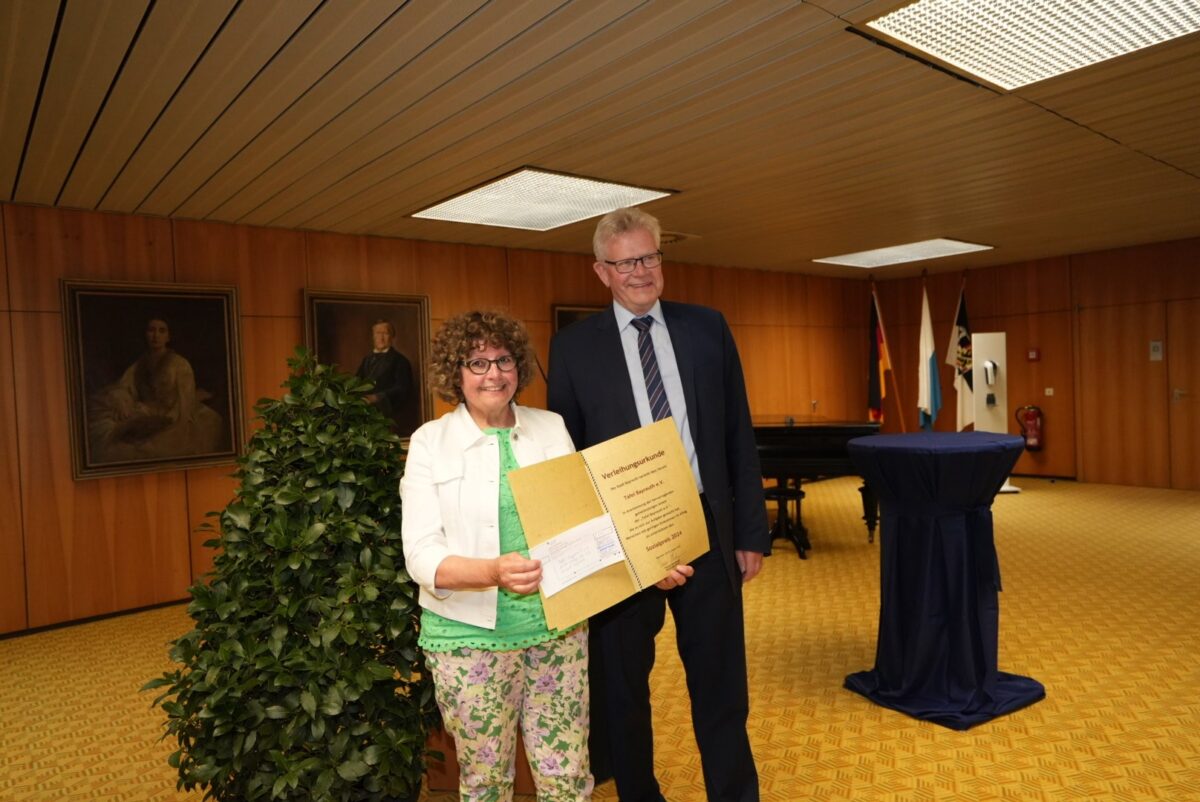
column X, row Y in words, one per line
column 482, row 694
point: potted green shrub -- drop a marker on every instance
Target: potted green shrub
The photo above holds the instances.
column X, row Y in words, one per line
column 302, row 679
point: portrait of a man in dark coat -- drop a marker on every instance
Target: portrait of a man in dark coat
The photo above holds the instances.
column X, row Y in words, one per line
column 389, row 371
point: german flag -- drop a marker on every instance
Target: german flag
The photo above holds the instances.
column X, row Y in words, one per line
column 880, row 363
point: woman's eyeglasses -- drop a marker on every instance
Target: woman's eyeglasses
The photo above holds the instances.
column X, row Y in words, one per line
column 480, row 366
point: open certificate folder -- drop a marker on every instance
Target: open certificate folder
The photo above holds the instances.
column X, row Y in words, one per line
column 610, row 520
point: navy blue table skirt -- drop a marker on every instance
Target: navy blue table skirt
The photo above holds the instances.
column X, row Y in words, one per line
column 939, row 615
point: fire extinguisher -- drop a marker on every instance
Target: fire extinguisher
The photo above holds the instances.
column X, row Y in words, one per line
column 1029, row 419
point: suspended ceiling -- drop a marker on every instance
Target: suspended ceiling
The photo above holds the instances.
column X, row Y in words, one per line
column 787, row 136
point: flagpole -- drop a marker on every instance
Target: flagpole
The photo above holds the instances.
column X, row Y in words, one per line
column 927, row 361
column 891, row 371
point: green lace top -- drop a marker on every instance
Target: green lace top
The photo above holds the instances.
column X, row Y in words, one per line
column 520, row 620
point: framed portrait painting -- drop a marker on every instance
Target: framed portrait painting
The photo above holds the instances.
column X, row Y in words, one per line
column 153, row 376
column 383, row 339
column 564, row 315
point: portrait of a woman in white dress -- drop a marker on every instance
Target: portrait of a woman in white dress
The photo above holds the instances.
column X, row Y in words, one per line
column 154, row 410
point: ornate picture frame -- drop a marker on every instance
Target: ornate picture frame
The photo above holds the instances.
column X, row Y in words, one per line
column 153, row 376
column 339, row 328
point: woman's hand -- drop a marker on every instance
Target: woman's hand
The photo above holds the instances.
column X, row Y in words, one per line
column 518, row 574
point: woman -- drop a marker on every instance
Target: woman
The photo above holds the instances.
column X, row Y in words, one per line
column 484, row 632
column 154, row 410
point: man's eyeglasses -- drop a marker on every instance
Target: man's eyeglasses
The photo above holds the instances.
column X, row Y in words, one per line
column 480, row 366
column 649, row 261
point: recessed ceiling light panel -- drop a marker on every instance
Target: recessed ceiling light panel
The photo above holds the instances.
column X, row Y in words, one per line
column 1013, row 43
column 898, row 254
column 537, row 200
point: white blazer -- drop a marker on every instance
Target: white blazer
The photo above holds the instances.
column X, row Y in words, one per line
column 450, row 494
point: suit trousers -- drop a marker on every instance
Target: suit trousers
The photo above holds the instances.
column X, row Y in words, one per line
column 710, row 636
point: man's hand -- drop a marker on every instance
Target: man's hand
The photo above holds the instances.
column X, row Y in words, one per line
column 750, row 563
column 515, row 573
column 678, row 576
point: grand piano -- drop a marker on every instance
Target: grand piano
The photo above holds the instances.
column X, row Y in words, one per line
column 793, row 450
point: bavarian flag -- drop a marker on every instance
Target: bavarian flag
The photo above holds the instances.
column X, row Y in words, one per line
column 929, row 393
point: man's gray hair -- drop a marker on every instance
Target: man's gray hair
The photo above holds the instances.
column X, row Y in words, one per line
column 621, row 221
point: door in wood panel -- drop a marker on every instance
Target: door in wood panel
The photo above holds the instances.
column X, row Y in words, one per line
column 1183, row 375
column 1123, row 396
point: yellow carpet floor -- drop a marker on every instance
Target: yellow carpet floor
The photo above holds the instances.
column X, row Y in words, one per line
column 1101, row 603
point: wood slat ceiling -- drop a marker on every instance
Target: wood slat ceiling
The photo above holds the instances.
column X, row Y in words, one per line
column 788, row 137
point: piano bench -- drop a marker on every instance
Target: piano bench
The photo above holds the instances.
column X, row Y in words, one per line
column 786, row 525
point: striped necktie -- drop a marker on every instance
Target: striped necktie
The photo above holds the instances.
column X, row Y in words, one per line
column 660, row 407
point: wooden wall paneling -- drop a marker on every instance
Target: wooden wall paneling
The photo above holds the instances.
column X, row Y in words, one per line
column 799, row 372
column 440, row 407
column 361, row 264
column 1180, row 264
column 689, row 283
column 943, row 289
column 267, row 344
column 856, row 297
column 458, row 278
column 1183, row 371
column 766, row 366
column 832, row 357
column 4, row 302
column 855, row 352
column 265, row 264
column 1158, row 272
column 537, row 280
column 208, row 490
column 982, row 293
column 1123, row 396
column 1043, row 285
column 96, row 546
column 539, row 340
column 1050, row 333
column 817, row 301
column 899, row 303
column 795, row 295
column 12, row 549
column 752, row 297
column 45, row 245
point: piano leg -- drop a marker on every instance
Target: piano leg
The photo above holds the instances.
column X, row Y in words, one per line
column 870, row 510
column 801, row 533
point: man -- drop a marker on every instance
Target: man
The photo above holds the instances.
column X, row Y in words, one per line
column 389, row 370
column 636, row 362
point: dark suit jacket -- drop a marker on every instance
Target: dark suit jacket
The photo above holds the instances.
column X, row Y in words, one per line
column 589, row 385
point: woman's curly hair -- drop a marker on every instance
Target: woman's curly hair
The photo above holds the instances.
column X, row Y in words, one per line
column 463, row 334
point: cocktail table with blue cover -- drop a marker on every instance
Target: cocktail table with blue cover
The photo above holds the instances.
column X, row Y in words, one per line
column 939, row 614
